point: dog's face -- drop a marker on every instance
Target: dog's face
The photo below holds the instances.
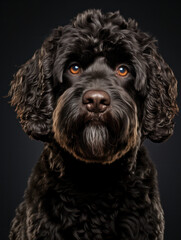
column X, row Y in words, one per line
column 97, row 116
column 98, row 83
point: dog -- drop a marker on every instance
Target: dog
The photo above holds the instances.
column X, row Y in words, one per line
column 93, row 93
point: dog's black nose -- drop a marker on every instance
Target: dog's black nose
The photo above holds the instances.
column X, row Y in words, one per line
column 96, row 100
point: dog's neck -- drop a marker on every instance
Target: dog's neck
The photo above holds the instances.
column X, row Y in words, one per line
column 66, row 164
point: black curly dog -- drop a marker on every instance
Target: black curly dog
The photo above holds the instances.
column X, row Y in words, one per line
column 93, row 92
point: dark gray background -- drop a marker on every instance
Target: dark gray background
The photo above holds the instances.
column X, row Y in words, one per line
column 24, row 26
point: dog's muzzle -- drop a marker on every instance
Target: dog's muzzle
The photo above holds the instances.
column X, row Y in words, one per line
column 95, row 125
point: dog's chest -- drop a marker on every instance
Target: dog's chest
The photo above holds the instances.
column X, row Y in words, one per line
column 88, row 213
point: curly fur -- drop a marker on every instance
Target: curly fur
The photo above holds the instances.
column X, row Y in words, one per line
column 94, row 179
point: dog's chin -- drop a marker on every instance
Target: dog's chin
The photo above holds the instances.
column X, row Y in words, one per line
column 94, row 145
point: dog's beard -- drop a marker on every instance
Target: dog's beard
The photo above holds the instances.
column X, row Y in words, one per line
column 95, row 139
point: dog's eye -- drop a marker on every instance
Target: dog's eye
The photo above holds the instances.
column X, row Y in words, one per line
column 75, row 69
column 122, row 71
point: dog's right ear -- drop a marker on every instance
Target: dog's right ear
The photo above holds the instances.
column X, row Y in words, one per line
column 31, row 90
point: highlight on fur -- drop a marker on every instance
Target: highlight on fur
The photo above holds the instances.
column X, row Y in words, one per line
column 94, row 179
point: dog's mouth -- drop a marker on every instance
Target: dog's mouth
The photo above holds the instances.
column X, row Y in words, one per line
column 94, row 119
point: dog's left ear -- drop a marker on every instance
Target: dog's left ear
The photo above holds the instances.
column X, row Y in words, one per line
column 32, row 91
column 160, row 104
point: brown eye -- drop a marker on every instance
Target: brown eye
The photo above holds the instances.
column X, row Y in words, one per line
column 75, row 69
column 122, row 71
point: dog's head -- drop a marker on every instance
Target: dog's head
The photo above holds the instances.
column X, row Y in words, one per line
column 98, row 87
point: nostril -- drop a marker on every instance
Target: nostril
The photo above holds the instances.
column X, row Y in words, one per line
column 88, row 100
column 105, row 101
column 96, row 100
